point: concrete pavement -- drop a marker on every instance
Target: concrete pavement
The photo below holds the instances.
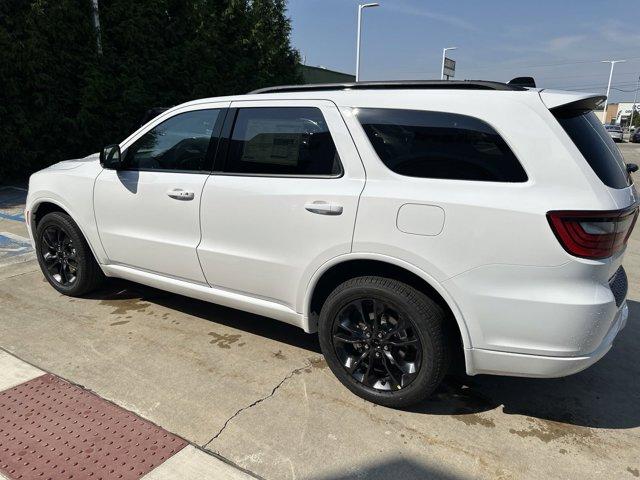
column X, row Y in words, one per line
column 53, row 429
column 258, row 393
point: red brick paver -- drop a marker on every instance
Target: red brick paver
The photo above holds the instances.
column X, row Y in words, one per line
column 51, row 429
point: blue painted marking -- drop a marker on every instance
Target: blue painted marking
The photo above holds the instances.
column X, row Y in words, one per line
column 15, row 218
column 12, row 247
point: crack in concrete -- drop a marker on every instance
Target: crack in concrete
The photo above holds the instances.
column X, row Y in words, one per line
column 257, row 402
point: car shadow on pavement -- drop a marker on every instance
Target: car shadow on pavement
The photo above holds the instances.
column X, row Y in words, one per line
column 118, row 290
column 603, row 396
column 400, row 468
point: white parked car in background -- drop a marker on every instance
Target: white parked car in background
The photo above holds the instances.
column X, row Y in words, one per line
column 410, row 224
column 616, row 132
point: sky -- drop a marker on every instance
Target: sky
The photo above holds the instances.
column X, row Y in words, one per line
column 560, row 43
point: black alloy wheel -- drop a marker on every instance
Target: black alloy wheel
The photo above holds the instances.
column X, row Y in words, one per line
column 376, row 344
column 59, row 255
column 64, row 255
column 384, row 340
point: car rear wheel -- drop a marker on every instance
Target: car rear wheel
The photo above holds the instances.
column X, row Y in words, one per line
column 65, row 257
column 384, row 340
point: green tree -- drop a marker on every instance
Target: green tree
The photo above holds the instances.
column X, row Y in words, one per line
column 58, row 99
column 43, row 56
column 636, row 118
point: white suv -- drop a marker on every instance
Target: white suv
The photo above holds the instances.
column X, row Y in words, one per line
column 408, row 223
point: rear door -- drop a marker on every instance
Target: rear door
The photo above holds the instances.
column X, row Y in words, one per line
column 282, row 200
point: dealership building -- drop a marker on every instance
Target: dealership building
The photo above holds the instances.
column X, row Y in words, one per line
column 619, row 113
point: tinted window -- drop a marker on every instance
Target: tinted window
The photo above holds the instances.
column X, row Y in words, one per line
column 439, row 145
column 179, row 143
column 596, row 146
column 282, row 141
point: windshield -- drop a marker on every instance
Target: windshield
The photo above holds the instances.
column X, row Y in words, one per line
column 596, row 146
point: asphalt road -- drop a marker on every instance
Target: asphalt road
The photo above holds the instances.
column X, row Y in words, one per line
column 258, row 392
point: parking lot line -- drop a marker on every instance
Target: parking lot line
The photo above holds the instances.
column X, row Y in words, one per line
column 14, row 248
column 15, row 218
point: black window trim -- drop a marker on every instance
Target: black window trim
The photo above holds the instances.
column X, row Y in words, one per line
column 222, row 154
column 457, row 180
column 212, row 148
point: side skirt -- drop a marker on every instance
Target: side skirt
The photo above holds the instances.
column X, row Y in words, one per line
column 219, row 296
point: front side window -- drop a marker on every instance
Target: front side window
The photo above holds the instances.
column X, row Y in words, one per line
column 179, row 143
column 282, row 141
column 425, row 144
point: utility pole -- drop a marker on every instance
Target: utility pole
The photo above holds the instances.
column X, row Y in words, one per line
column 606, row 102
column 96, row 25
column 633, row 108
column 444, row 54
column 360, row 8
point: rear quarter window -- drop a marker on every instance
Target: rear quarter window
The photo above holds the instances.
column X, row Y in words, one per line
column 440, row 145
column 596, row 145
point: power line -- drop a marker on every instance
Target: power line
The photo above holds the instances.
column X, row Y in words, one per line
column 625, row 91
column 544, row 65
column 597, row 85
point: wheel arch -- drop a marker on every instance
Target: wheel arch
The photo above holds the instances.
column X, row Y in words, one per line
column 344, row 267
column 42, row 207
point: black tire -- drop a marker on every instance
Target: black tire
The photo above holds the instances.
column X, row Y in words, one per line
column 425, row 319
column 71, row 269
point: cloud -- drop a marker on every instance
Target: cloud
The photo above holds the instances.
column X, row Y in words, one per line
column 439, row 17
column 615, row 31
column 563, row 42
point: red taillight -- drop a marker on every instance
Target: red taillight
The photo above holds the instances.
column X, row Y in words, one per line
column 593, row 234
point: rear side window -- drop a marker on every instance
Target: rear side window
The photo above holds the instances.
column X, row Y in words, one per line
column 282, row 141
column 596, row 146
column 440, row 145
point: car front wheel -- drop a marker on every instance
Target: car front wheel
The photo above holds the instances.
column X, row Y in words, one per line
column 64, row 255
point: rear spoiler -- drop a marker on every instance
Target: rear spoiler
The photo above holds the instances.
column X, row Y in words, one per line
column 556, row 100
column 528, row 82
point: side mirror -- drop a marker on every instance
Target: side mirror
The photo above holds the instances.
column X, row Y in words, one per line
column 632, row 167
column 111, row 157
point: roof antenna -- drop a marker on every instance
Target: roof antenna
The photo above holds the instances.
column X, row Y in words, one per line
column 528, row 82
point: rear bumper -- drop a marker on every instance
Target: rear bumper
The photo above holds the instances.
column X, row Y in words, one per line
column 480, row 361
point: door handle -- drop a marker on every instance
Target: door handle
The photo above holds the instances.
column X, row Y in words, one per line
column 324, row 208
column 180, row 194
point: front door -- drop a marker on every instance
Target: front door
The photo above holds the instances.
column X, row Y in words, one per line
column 148, row 213
column 282, row 200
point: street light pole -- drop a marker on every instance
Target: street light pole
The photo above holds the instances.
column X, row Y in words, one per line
column 606, row 102
column 360, row 8
column 444, row 54
column 633, row 108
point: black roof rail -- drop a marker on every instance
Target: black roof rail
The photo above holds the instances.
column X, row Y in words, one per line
column 395, row 84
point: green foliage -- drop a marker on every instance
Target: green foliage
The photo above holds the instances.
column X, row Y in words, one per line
column 636, row 119
column 59, row 99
